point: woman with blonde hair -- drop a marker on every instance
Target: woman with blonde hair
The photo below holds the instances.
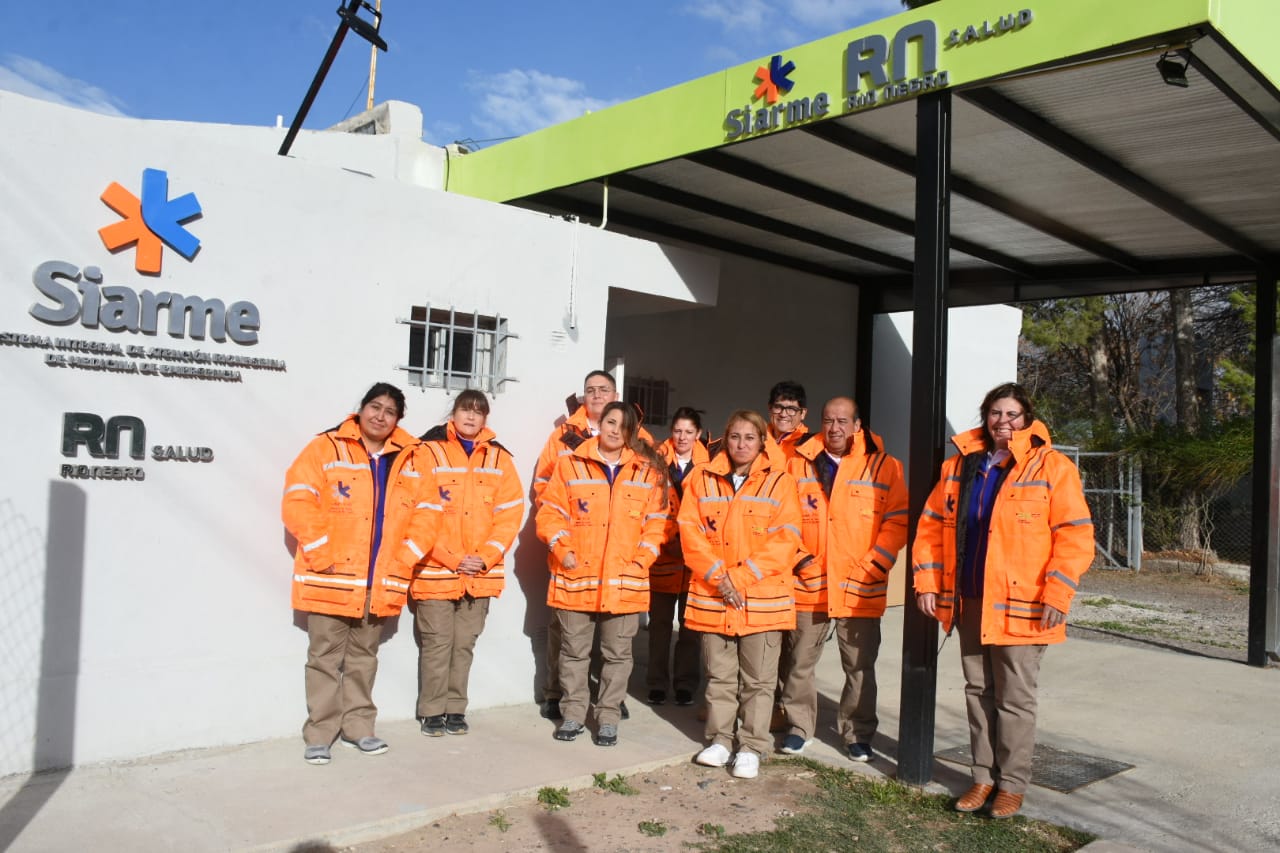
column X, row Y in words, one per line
column 740, row 531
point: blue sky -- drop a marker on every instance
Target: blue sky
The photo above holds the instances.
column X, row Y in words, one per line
column 479, row 70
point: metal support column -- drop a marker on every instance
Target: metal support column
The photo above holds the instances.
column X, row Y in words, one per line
column 928, row 416
column 862, row 367
column 1264, row 575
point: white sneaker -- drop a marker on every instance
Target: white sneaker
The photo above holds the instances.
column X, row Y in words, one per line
column 716, row 755
column 746, row 765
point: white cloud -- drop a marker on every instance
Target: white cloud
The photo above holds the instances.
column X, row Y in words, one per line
column 515, row 102
column 796, row 19
column 36, row 80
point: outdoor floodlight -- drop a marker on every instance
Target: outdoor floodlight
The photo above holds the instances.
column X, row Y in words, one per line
column 1173, row 72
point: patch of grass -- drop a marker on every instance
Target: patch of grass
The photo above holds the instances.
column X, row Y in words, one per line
column 852, row 812
column 1101, row 601
column 499, row 819
column 711, row 830
column 652, row 828
column 617, row 784
column 1120, row 627
column 554, row 798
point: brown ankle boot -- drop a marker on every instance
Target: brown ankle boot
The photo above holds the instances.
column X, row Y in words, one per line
column 974, row 798
column 1005, row 804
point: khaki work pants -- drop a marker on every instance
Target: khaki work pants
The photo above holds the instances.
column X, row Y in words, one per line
column 578, row 632
column 801, row 650
column 342, row 663
column 742, row 673
column 1000, row 696
column 447, row 631
column 659, row 676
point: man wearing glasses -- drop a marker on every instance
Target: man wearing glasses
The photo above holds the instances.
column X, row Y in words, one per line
column 786, row 415
column 598, row 390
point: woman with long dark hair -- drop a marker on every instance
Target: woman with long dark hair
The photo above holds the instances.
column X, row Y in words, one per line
column 604, row 515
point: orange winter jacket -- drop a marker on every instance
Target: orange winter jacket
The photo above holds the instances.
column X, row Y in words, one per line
column 615, row 532
column 1040, row 540
column 328, row 506
column 562, row 442
column 482, row 504
column 787, row 443
column 752, row 535
column 854, row 538
column 669, row 573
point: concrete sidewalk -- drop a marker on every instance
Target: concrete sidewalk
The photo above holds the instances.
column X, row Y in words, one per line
column 1203, row 736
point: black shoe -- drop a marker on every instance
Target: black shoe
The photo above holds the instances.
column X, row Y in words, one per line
column 569, row 730
column 607, row 736
column 433, row 726
column 456, row 724
column 550, row 710
column 626, row 715
column 657, row 697
column 684, row 697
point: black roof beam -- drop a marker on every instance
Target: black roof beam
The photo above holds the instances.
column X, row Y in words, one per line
column 777, row 227
column 560, row 202
column 873, row 149
column 1040, row 129
column 748, row 170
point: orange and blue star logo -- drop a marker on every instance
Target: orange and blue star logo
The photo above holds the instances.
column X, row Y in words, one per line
column 152, row 222
column 773, row 80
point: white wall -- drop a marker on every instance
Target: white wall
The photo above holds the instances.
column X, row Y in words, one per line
column 768, row 324
column 151, row 616
column 982, row 352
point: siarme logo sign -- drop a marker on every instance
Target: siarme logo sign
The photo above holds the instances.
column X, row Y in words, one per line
column 149, row 224
column 151, row 221
column 773, row 81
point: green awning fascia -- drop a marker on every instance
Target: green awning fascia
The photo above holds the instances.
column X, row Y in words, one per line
column 690, row 117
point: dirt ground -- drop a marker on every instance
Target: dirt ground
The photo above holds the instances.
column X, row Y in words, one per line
column 1169, row 605
column 686, row 803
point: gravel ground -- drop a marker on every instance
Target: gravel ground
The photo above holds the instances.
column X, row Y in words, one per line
column 1169, row 605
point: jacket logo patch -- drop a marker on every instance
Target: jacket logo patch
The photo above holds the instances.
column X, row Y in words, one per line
column 582, row 506
column 951, row 504
column 711, row 524
column 445, row 494
column 1025, row 517
column 633, row 513
column 341, row 491
column 812, row 501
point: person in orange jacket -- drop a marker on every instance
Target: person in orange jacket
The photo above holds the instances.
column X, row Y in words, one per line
column 787, row 411
column 604, row 518
column 669, row 577
column 598, row 390
column 355, row 502
column 999, row 551
column 853, row 504
column 740, row 532
column 482, row 503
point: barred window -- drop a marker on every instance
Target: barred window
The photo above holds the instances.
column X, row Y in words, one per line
column 452, row 350
column 651, row 395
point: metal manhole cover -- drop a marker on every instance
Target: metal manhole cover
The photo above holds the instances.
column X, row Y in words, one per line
column 1058, row 769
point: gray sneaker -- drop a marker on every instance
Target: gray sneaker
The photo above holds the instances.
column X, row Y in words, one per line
column 607, row 735
column 317, row 754
column 369, row 745
column 569, row 730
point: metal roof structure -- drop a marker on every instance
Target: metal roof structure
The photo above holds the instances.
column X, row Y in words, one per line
column 963, row 153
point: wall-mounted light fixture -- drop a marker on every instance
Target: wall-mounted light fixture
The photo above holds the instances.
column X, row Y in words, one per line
column 350, row 21
column 1171, row 70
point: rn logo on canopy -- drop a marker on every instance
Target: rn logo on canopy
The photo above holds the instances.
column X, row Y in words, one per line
column 773, row 81
column 152, row 222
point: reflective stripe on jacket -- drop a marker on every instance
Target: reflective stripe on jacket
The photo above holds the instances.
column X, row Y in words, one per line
column 1040, row 540
column 481, row 502
column 668, row 573
column 328, row 506
column 855, row 536
column 615, row 533
column 751, row 535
